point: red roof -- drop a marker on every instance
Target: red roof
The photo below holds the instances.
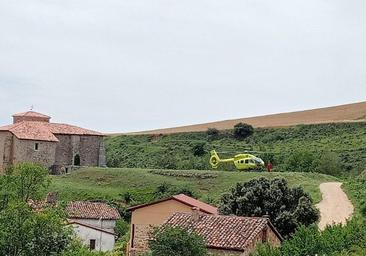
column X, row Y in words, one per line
column 91, row 210
column 32, row 130
column 31, row 114
column 185, row 200
column 222, row 232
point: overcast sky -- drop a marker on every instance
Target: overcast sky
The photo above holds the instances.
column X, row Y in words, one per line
column 128, row 65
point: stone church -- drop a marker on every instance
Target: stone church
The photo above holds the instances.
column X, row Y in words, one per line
column 59, row 147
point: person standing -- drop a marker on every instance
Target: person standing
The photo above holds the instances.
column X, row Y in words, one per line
column 269, row 166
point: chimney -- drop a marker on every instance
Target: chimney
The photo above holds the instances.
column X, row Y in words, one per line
column 196, row 213
column 52, row 198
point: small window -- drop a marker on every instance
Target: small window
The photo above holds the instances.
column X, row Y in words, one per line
column 92, row 244
column 36, row 146
column 242, row 161
column 246, row 161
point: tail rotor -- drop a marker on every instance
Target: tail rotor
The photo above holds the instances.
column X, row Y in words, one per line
column 215, row 159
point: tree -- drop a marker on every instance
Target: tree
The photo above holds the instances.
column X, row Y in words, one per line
column 169, row 241
column 242, row 130
column 24, row 232
column 288, row 208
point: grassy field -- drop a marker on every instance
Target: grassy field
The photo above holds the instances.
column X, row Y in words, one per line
column 110, row 184
column 346, row 140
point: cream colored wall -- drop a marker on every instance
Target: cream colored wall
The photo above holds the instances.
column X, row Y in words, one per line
column 158, row 213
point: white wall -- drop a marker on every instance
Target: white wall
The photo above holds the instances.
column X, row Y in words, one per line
column 103, row 241
column 103, row 224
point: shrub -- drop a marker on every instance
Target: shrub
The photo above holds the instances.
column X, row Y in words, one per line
column 169, row 241
column 212, row 133
column 242, row 130
column 334, row 240
column 300, row 161
column 287, row 207
column 329, row 163
column 199, row 149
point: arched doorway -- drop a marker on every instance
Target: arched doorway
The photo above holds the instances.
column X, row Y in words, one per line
column 77, row 160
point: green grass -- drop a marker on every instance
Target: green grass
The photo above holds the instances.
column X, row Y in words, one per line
column 109, row 184
column 356, row 190
column 346, row 140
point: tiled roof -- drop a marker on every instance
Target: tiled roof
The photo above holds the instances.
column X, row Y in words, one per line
column 222, row 232
column 31, row 130
column 91, row 210
column 31, row 114
column 185, row 200
column 196, row 203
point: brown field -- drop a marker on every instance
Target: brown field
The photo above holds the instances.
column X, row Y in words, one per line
column 355, row 112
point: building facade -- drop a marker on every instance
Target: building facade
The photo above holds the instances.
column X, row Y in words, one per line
column 148, row 216
column 93, row 223
column 33, row 138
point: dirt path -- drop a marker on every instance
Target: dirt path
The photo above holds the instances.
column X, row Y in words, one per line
column 335, row 206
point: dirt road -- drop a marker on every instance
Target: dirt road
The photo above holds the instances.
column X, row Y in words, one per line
column 335, row 206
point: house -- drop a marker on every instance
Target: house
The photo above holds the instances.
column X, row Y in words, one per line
column 93, row 223
column 147, row 216
column 33, row 138
column 227, row 235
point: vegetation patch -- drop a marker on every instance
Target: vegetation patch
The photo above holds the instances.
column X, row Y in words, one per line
column 186, row 174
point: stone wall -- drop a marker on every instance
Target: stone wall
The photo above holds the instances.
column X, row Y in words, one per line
column 87, row 147
column 216, row 252
column 6, row 141
column 24, row 151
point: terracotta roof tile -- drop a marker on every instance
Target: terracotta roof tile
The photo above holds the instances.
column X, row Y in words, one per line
column 33, row 130
column 31, row 114
column 218, row 231
column 91, row 210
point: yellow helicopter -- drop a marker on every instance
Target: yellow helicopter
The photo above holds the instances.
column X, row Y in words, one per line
column 242, row 162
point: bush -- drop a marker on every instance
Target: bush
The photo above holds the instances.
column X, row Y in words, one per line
column 242, row 131
column 199, row 149
column 300, row 161
column 287, row 207
column 170, row 241
column 334, row 240
column 212, row 133
column 329, row 163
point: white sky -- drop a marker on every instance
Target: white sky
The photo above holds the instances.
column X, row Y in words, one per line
column 127, row 65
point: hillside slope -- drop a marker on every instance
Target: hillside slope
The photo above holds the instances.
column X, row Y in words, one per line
column 176, row 151
column 344, row 113
column 98, row 183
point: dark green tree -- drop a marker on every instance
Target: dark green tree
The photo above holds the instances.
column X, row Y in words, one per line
column 288, row 208
column 170, row 241
column 242, row 130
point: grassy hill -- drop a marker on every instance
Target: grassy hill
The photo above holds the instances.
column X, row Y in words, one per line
column 110, row 184
column 346, row 141
column 344, row 113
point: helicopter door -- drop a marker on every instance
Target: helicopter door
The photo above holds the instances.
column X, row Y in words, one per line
column 246, row 161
